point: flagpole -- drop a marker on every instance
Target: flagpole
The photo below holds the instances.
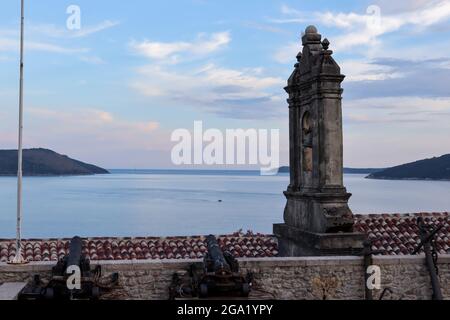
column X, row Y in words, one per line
column 18, row 259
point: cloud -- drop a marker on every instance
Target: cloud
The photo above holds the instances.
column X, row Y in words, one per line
column 228, row 92
column 294, row 16
column 92, row 59
column 425, row 14
column 92, row 135
column 427, row 78
column 355, row 69
column 381, row 120
column 400, row 105
column 398, row 112
column 92, row 118
column 48, row 47
column 366, row 29
column 360, row 70
column 8, row 45
column 388, row 131
column 390, row 144
column 389, row 76
column 399, row 6
column 287, row 53
column 265, row 27
column 87, row 31
column 38, row 38
column 170, row 51
column 53, row 31
column 95, row 136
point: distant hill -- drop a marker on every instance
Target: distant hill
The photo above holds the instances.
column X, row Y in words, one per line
column 428, row 169
column 361, row 170
column 44, row 162
column 346, row 170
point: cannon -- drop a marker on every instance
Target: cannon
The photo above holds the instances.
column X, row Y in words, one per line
column 221, row 273
column 71, row 279
column 218, row 276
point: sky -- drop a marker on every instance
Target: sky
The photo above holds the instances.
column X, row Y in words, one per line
column 113, row 91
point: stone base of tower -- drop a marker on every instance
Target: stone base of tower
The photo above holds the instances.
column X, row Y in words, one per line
column 293, row 242
column 319, row 212
column 318, row 224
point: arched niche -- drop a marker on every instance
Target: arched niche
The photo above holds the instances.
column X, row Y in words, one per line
column 307, row 145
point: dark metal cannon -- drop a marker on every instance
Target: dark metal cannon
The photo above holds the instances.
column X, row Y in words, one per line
column 72, row 278
column 219, row 276
column 214, row 260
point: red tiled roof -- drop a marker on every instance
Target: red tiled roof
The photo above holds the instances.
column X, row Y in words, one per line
column 398, row 234
column 395, row 234
column 240, row 245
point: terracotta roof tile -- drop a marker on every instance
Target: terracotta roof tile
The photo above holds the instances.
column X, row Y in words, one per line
column 396, row 234
column 241, row 245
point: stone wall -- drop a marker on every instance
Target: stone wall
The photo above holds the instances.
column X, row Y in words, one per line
column 275, row 278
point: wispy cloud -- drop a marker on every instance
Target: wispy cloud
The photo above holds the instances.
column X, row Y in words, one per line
column 405, row 105
column 228, row 92
column 398, row 111
column 399, row 6
column 13, row 45
column 361, row 70
column 376, row 67
column 53, row 31
column 379, row 120
column 265, row 27
column 426, row 78
column 49, row 47
column 212, row 88
column 173, row 52
column 41, row 37
column 100, row 119
column 366, row 28
column 92, row 59
column 94, row 135
column 89, row 30
column 287, row 53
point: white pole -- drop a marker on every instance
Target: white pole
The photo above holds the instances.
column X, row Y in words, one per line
column 18, row 259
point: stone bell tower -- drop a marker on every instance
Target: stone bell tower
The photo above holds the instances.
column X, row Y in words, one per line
column 318, row 220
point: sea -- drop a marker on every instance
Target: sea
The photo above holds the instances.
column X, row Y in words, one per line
column 132, row 203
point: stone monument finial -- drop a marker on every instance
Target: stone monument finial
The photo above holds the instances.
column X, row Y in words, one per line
column 311, row 29
column 311, row 36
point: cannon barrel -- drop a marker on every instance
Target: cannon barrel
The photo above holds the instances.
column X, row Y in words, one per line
column 86, row 285
column 219, row 263
column 219, row 276
column 75, row 249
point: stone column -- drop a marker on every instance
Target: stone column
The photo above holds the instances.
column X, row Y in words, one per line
column 318, row 220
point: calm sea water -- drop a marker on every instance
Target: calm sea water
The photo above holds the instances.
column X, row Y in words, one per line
column 164, row 203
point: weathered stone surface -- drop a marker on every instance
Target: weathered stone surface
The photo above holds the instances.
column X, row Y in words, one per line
column 296, row 242
column 339, row 278
column 317, row 201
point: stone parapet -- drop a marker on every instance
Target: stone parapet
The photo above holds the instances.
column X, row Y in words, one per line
column 274, row 278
